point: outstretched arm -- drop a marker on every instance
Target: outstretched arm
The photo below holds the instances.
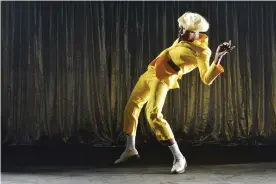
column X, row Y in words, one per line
column 208, row 73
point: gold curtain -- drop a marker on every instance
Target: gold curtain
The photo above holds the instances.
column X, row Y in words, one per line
column 69, row 67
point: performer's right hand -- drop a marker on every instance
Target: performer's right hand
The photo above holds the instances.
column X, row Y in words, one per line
column 222, row 50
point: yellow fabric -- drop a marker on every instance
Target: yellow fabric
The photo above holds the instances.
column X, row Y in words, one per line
column 153, row 85
column 148, row 90
column 187, row 56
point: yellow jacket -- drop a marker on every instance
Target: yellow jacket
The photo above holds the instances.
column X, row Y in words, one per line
column 187, row 56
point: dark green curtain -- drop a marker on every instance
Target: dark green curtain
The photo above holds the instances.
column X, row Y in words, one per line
column 69, row 67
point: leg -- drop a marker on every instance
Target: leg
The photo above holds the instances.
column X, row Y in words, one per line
column 139, row 96
column 136, row 101
column 160, row 126
column 154, row 108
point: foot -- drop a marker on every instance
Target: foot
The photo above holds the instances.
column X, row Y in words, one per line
column 179, row 166
column 127, row 154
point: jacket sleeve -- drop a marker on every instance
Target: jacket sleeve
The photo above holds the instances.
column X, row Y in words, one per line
column 208, row 73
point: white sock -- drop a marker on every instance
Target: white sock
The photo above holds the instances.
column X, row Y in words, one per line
column 175, row 151
column 130, row 142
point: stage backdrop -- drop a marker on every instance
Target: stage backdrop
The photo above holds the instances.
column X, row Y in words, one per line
column 69, row 67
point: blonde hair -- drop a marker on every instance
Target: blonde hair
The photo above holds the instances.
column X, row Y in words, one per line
column 193, row 22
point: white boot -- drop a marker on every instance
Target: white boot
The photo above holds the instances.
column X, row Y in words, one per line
column 179, row 166
column 129, row 152
column 179, row 163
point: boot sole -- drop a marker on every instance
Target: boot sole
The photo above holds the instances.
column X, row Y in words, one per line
column 129, row 159
column 180, row 172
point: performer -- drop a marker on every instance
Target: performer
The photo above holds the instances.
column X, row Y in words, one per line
column 188, row 52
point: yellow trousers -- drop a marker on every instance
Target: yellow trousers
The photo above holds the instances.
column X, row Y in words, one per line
column 148, row 90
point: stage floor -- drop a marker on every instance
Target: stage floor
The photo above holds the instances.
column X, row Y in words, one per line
column 256, row 173
column 211, row 164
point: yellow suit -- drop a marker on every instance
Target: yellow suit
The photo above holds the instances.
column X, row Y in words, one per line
column 153, row 85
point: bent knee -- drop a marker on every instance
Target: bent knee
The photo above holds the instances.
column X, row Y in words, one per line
column 155, row 118
column 151, row 115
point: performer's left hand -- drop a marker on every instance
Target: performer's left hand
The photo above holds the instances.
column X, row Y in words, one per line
column 222, row 50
